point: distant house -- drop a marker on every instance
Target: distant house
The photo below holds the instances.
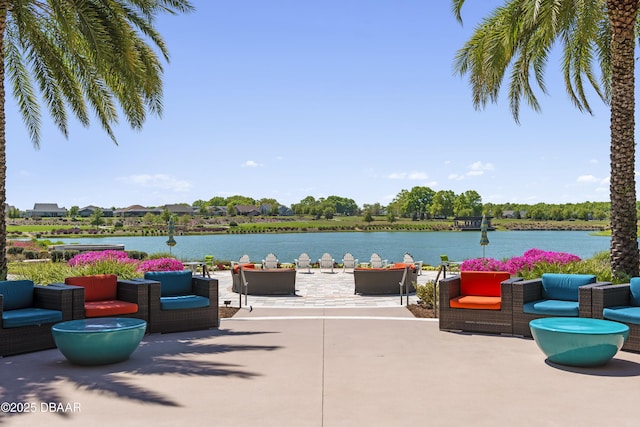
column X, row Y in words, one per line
column 285, row 211
column 179, row 210
column 46, row 210
column 471, row 223
column 217, row 210
column 136, row 211
column 87, row 211
column 247, row 210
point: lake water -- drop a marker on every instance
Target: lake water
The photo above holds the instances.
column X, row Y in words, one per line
column 424, row 246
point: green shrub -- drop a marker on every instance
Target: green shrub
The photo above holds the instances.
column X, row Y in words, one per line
column 425, row 293
column 139, row 255
column 15, row 250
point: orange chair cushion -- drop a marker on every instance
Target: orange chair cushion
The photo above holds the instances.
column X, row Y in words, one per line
column 475, row 302
column 109, row 308
column 98, row 287
column 236, row 268
column 379, row 268
column 403, row 265
column 482, row 283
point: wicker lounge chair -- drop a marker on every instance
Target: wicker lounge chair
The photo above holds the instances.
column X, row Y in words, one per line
column 348, row 261
column 620, row 303
column 103, row 295
column 179, row 301
column 552, row 295
column 27, row 313
column 477, row 301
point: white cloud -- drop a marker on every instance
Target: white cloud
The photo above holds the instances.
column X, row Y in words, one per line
column 161, row 181
column 250, row 164
column 587, row 179
column 594, row 161
column 455, row 177
column 412, row 176
column 479, row 168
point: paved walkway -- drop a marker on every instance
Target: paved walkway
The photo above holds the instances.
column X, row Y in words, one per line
column 322, row 367
column 316, row 290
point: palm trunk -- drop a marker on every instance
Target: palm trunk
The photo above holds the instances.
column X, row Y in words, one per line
column 3, row 151
column 624, row 236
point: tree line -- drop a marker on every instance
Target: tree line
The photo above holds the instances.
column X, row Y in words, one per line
column 421, row 203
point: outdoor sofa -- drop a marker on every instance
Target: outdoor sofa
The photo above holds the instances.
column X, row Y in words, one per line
column 385, row 280
column 272, row 281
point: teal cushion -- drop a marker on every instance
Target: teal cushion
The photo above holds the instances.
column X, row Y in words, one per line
column 551, row 307
column 564, row 286
column 16, row 294
column 29, row 317
column 183, row 302
column 172, row 283
column 634, row 285
column 622, row 314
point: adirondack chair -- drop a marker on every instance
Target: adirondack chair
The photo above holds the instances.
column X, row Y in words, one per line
column 408, row 259
column 270, row 261
column 303, row 261
column 348, row 261
column 377, row 262
column 326, row 262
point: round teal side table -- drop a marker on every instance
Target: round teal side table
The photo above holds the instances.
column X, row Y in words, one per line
column 98, row 341
column 578, row 341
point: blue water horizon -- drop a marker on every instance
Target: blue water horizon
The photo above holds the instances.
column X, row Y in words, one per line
column 424, row 246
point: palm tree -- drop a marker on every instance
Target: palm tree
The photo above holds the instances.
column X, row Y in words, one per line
column 518, row 37
column 88, row 57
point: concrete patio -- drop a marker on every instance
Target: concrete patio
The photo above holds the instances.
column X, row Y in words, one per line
column 348, row 366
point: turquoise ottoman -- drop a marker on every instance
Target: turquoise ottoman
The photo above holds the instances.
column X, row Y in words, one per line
column 98, row 341
column 578, row 341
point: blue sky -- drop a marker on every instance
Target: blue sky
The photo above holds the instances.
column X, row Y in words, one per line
column 288, row 98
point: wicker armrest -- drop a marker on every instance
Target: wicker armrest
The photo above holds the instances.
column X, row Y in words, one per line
column 205, row 287
column 77, row 298
column 525, row 291
column 609, row 296
column 450, row 287
column 54, row 298
column 135, row 291
column 585, row 298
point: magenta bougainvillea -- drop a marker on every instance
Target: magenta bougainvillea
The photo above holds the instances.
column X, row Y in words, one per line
column 160, row 264
column 513, row 265
column 94, row 257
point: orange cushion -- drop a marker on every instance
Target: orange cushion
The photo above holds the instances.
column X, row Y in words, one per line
column 403, row 265
column 236, row 268
column 98, row 287
column 109, row 308
column 475, row 302
column 482, row 283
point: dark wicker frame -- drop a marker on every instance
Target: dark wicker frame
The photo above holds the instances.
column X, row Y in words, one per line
column 163, row 321
column 616, row 295
column 37, row 337
column 267, row 282
column 531, row 290
column 385, row 281
column 473, row 320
